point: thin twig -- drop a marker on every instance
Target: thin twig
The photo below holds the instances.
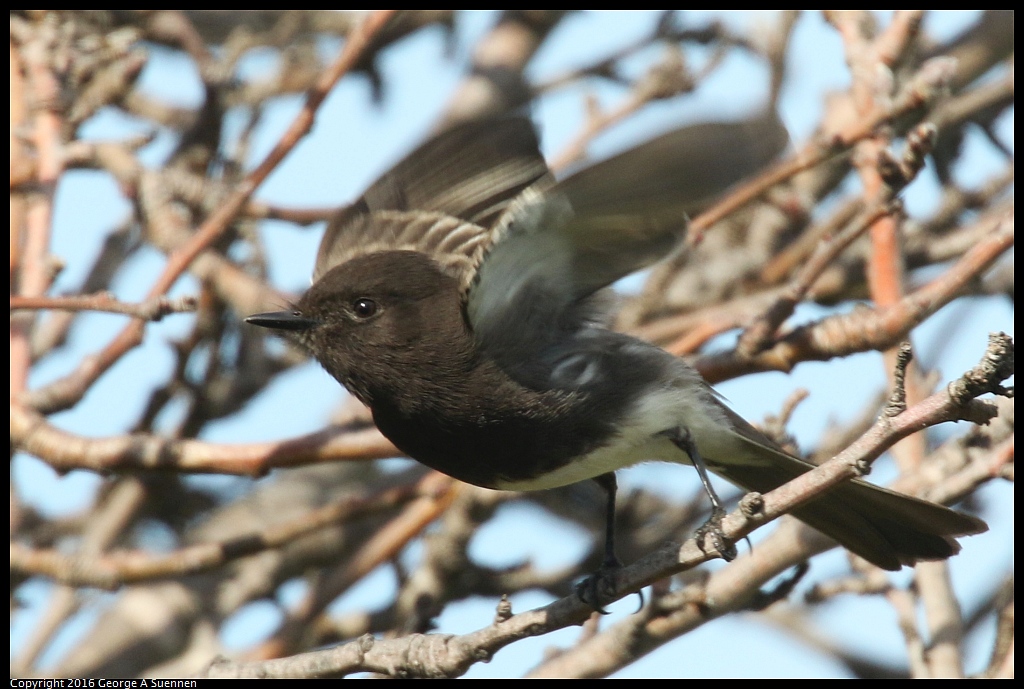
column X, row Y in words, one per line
column 152, row 309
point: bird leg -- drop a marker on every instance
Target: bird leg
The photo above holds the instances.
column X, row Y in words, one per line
column 683, row 439
column 611, row 487
column 590, row 589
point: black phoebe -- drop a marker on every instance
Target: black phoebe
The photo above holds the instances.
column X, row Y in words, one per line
column 459, row 300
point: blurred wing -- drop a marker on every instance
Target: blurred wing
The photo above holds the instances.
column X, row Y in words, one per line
column 560, row 242
column 441, row 199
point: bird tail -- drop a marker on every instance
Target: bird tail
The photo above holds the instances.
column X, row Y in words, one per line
column 886, row 528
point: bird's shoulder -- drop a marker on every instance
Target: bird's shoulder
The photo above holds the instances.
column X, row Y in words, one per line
column 454, row 246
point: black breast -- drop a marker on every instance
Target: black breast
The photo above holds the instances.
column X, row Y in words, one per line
column 488, row 427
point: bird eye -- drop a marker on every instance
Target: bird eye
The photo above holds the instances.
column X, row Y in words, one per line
column 364, row 308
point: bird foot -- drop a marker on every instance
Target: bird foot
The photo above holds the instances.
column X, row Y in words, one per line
column 601, row 586
column 712, row 529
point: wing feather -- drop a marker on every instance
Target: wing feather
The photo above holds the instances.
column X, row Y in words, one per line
column 558, row 243
column 448, row 192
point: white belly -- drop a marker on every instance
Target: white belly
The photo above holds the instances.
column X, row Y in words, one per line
column 642, row 438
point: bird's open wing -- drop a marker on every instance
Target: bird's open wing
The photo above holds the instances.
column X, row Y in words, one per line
column 441, row 199
column 527, row 250
column 560, row 242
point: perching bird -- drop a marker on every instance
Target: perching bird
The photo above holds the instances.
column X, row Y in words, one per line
column 459, row 299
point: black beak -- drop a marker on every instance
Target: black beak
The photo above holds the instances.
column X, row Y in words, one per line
column 282, row 320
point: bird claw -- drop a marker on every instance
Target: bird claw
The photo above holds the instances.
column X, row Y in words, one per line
column 712, row 529
column 601, row 585
column 589, row 591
